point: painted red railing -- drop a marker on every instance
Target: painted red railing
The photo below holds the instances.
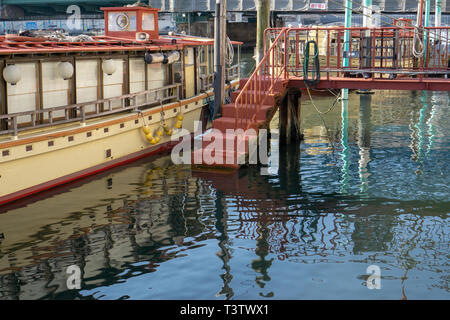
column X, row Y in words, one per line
column 377, row 52
column 261, row 84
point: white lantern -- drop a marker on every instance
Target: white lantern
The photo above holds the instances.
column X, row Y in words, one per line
column 65, row 70
column 108, row 66
column 12, row 74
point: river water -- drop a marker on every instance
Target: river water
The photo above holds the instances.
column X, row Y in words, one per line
column 367, row 189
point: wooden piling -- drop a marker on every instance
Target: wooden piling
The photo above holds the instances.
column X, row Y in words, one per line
column 262, row 23
column 290, row 117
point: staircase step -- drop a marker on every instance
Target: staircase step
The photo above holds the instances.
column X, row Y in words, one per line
column 229, row 110
column 225, row 123
column 247, row 96
column 226, row 141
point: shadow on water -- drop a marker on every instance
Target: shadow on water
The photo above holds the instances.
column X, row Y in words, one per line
column 365, row 187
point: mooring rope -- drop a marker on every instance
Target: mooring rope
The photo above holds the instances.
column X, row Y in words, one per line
column 338, row 97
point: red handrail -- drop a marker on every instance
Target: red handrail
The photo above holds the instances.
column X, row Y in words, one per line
column 261, row 82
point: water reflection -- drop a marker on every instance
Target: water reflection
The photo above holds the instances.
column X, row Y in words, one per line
column 364, row 133
column 347, row 197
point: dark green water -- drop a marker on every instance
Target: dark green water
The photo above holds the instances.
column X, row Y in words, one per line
column 369, row 185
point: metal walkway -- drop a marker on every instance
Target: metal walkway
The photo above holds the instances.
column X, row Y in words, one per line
column 392, row 58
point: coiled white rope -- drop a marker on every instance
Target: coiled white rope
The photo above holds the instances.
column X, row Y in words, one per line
column 417, row 40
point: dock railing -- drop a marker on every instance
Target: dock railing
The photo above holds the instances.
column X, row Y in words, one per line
column 79, row 112
column 385, row 52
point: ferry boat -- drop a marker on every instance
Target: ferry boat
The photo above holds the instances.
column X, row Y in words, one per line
column 74, row 106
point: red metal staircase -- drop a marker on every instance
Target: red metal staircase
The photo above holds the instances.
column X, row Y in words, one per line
column 249, row 108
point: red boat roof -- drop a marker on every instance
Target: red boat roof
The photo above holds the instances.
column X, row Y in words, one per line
column 25, row 45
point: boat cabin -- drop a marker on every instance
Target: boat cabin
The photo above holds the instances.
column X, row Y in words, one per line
column 48, row 78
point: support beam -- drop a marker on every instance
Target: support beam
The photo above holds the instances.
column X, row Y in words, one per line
column 347, row 46
column 262, row 23
column 290, row 117
column 220, row 37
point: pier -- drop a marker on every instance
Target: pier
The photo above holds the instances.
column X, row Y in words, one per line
column 379, row 58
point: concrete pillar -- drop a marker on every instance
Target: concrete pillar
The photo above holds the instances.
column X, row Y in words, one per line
column 290, row 117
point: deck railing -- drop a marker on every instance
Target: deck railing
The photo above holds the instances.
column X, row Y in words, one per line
column 374, row 53
column 79, row 112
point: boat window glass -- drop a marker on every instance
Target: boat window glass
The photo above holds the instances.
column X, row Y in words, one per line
column 177, row 72
column 122, row 21
column 148, row 22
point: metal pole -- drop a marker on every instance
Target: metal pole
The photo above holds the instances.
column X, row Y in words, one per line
column 367, row 41
column 263, row 21
column 347, row 47
column 217, row 65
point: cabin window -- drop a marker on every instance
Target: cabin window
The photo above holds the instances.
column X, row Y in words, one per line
column 157, row 78
column 23, row 96
column 113, row 85
column 202, row 54
column 177, row 72
column 148, row 22
column 88, row 81
column 205, row 77
column 122, row 21
column 56, row 90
